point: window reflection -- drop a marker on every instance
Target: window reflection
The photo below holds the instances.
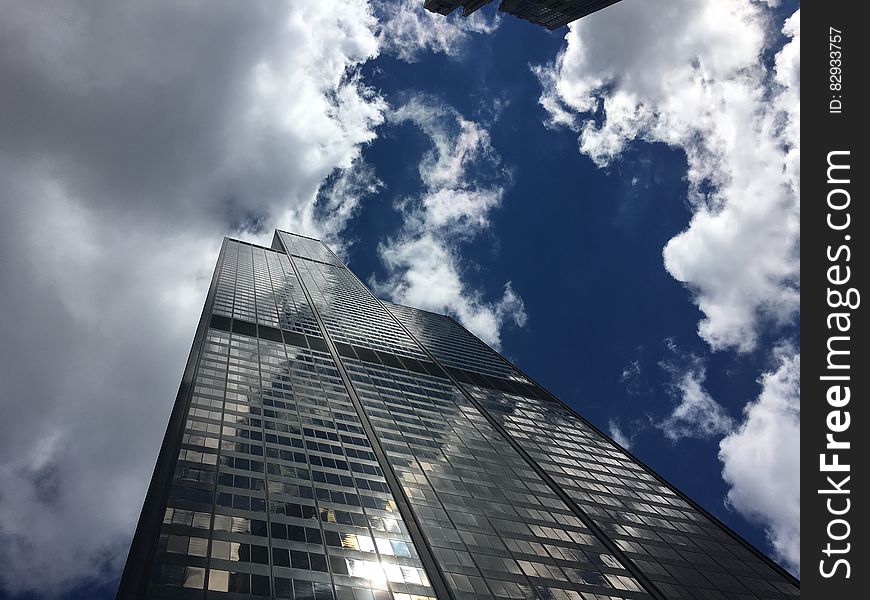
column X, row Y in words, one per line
column 277, row 489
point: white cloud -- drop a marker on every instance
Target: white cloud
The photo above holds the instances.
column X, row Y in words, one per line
column 458, row 145
column 466, row 209
column 615, row 431
column 690, row 74
column 463, row 182
column 217, row 114
column 761, row 459
column 407, row 29
column 101, row 319
column 696, row 414
column 631, row 371
column 633, row 379
column 338, row 200
column 426, row 273
column 143, row 132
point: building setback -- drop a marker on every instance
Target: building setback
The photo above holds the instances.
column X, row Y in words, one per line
column 328, row 445
column 551, row 14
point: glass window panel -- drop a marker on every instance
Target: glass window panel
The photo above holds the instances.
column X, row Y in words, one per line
column 218, row 581
column 194, row 577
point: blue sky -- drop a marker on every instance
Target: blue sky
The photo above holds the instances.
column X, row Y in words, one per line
column 614, row 205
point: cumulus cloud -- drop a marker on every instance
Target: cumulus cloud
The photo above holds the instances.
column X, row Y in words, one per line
column 408, row 30
column 696, row 413
column 217, row 114
column 691, row 75
column 100, row 321
column 143, row 132
column 463, row 181
column 761, row 459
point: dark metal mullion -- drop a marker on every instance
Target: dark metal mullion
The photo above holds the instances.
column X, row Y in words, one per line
column 436, row 577
column 263, row 416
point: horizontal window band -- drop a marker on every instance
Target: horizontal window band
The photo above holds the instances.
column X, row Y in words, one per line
column 368, row 355
column 267, row 332
column 424, row 367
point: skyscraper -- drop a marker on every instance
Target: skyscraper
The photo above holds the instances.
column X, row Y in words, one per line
column 328, row 445
column 552, row 14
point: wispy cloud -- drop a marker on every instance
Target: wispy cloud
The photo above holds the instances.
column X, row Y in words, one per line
column 630, row 372
column 696, row 414
column 463, row 181
column 633, row 378
column 408, row 30
column 691, row 75
column 614, row 429
column 339, row 199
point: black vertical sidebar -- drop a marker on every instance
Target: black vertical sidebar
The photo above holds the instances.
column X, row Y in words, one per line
column 834, row 228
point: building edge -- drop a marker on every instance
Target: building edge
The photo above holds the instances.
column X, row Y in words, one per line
column 134, row 578
column 733, row 534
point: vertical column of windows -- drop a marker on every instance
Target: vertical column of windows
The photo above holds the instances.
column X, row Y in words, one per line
column 299, row 561
column 181, row 556
column 267, row 308
column 225, row 289
column 239, row 543
column 244, row 307
column 365, row 545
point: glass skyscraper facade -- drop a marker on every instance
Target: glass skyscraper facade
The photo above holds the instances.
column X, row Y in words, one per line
column 551, row 14
column 328, row 445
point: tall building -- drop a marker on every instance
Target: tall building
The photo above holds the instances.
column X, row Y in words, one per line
column 551, row 14
column 328, row 445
